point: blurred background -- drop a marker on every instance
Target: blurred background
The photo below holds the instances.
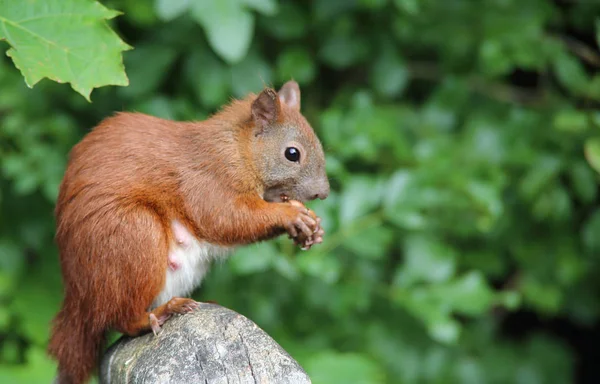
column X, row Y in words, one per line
column 463, row 229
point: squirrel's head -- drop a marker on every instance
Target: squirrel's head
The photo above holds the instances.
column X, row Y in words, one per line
column 287, row 153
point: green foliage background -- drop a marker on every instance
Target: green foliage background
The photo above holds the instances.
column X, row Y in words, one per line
column 456, row 135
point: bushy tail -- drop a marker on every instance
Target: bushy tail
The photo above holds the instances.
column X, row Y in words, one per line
column 76, row 346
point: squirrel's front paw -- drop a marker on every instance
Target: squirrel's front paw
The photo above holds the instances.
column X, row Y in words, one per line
column 302, row 221
column 305, row 228
column 317, row 238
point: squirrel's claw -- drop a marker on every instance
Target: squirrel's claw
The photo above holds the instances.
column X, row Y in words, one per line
column 154, row 324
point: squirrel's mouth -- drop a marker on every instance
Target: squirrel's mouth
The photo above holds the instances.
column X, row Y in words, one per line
column 277, row 195
column 281, row 198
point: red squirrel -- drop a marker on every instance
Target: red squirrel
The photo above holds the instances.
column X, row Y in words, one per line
column 146, row 204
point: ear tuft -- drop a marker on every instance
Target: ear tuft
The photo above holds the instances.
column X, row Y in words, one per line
column 265, row 109
column 289, row 94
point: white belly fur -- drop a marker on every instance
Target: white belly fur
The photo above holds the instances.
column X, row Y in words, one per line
column 193, row 258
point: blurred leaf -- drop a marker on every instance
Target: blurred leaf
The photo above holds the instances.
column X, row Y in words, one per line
column 35, row 309
column 375, row 4
column 546, row 298
column 445, row 331
column 327, row 9
column 331, row 368
column 75, row 47
column 398, row 206
column 266, row 7
column 591, row 232
column 228, row 26
column 570, row 73
column 295, row 63
column 361, row 195
column 540, row 176
column 209, row 78
column 12, row 257
column 592, row 153
column 370, row 243
column 425, row 259
column 389, row 74
column 344, row 47
column 10, row 350
column 285, row 267
column 289, row 23
column 408, row 6
column 584, row 181
column 253, row 259
column 250, row 75
column 39, row 369
column 160, row 106
column 470, row 294
column 170, row 9
column 314, row 263
column 4, row 319
column 571, row 121
column 152, row 65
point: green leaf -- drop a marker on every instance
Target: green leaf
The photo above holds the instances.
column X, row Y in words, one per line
column 446, row 330
column 425, row 259
column 571, row 120
column 35, row 295
column 289, row 23
column 152, row 63
column 347, row 368
column 4, row 319
column 592, row 153
column 361, row 195
column 409, row 6
column 285, row 267
column 370, row 243
column 67, row 41
column 570, row 73
column 295, row 63
column 344, row 47
column 228, row 26
column 40, row 369
column 254, row 259
column 470, row 294
column 319, row 265
column 266, row 7
column 209, row 78
column 12, row 257
column 159, row 106
column 493, row 59
column 374, row 4
column 170, row 9
column 545, row 297
column 540, row 176
column 591, row 233
column 398, row 201
column 250, row 75
column 584, row 181
column 389, row 74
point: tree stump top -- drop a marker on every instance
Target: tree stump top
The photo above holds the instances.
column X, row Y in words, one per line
column 211, row 345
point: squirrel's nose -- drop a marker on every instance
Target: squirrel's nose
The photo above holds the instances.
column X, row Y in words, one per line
column 322, row 191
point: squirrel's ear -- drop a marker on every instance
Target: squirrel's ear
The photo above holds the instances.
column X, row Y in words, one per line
column 266, row 108
column 290, row 94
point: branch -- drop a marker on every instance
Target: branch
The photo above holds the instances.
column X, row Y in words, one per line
column 587, row 54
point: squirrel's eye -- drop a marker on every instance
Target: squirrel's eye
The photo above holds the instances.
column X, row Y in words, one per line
column 292, row 154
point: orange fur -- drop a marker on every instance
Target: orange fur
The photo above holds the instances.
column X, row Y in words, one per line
column 125, row 182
